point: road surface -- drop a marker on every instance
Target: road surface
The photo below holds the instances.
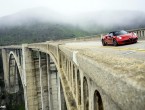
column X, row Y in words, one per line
column 136, row 50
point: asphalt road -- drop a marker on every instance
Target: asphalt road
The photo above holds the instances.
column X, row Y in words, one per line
column 136, row 50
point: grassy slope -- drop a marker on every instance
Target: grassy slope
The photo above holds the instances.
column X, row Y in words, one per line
column 37, row 33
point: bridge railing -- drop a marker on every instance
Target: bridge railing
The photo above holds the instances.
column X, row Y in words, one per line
column 139, row 32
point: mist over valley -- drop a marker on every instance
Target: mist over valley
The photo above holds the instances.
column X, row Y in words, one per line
column 42, row 24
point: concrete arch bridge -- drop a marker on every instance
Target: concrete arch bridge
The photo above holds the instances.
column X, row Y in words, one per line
column 77, row 75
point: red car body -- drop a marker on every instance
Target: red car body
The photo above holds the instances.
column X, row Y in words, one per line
column 119, row 38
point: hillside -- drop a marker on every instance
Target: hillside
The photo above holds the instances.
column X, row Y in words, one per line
column 38, row 32
column 41, row 24
column 36, row 25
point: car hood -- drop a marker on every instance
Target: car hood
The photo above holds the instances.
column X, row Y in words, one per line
column 129, row 35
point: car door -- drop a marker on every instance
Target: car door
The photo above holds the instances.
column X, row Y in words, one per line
column 110, row 38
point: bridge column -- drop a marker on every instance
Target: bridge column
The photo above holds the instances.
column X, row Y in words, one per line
column 5, row 68
column 40, row 70
column 141, row 33
column 30, row 91
column 48, row 77
column 19, row 56
column 53, row 86
column 43, row 81
column 61, row 99
column 138, row 34
column 54, row 92
column 13, row 80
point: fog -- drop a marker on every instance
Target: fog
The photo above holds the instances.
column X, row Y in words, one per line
column 90, row 15
column 70, row 6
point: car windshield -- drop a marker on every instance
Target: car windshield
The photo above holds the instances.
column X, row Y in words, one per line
column 120, row 33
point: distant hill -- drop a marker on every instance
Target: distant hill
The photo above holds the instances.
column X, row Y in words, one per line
column 102, row 21
column 36, row 26
column 31, row 16
column 41, row 24
column 38, row 32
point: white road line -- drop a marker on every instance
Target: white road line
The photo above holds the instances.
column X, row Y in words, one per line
column 128, row 52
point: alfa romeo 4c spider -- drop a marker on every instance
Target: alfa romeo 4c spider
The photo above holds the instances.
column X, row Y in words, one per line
column 119, row 38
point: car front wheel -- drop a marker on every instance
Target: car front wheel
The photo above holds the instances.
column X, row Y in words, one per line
column 103, row 43
column 115, row 42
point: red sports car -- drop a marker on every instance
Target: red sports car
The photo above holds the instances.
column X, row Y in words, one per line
column 119, row 37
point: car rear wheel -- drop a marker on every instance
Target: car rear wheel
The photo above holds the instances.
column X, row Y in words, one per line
column 103, row 43
column 135, row 42
column 115, row 42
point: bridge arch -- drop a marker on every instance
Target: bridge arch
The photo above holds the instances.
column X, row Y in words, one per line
column 15, row 84
column 97, row 100
column 70, row 72
column 85, row 94
column 79, row 87
column 54, row 77
column 16, row 59
column 67, row 70
column 74, row 79
column 14, row 64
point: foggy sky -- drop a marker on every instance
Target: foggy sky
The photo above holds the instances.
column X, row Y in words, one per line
column 70, row 6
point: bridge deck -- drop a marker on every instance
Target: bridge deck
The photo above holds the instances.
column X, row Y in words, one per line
column 117, row 71
column 128, row 60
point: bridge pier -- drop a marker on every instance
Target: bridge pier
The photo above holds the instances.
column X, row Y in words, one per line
column 48, row 77
column 41, row 82
column 5, row 67
column 13, row 76
column 30, row 90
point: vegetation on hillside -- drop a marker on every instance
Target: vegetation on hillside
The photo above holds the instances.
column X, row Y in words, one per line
column 38, row 32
